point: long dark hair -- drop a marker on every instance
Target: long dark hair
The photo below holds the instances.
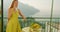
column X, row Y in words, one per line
column 13, row 3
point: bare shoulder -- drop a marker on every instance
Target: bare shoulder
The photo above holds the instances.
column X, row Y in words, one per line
column 18, row 10
column 10, row 9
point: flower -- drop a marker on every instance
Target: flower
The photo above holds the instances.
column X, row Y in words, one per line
column 35, row 26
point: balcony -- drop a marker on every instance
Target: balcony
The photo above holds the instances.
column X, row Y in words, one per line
column 39, row 20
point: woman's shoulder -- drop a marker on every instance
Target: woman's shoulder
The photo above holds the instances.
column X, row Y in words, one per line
column 10, row 9
column 18, row 9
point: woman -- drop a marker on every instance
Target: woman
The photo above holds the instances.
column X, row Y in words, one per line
column 13, row 24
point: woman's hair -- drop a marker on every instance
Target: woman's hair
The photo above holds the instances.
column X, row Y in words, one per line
column 13, row 3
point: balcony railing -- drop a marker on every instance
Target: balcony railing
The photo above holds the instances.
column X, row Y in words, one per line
column 33, row 20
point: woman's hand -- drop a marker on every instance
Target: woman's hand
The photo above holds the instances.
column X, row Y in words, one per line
column 25, row 20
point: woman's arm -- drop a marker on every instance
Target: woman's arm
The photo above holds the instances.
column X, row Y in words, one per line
column 21, row 14
column 9, row 14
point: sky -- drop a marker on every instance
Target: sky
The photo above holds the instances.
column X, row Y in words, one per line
column 44, row 7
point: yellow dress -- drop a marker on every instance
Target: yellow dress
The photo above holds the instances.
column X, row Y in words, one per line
column 13, row 24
